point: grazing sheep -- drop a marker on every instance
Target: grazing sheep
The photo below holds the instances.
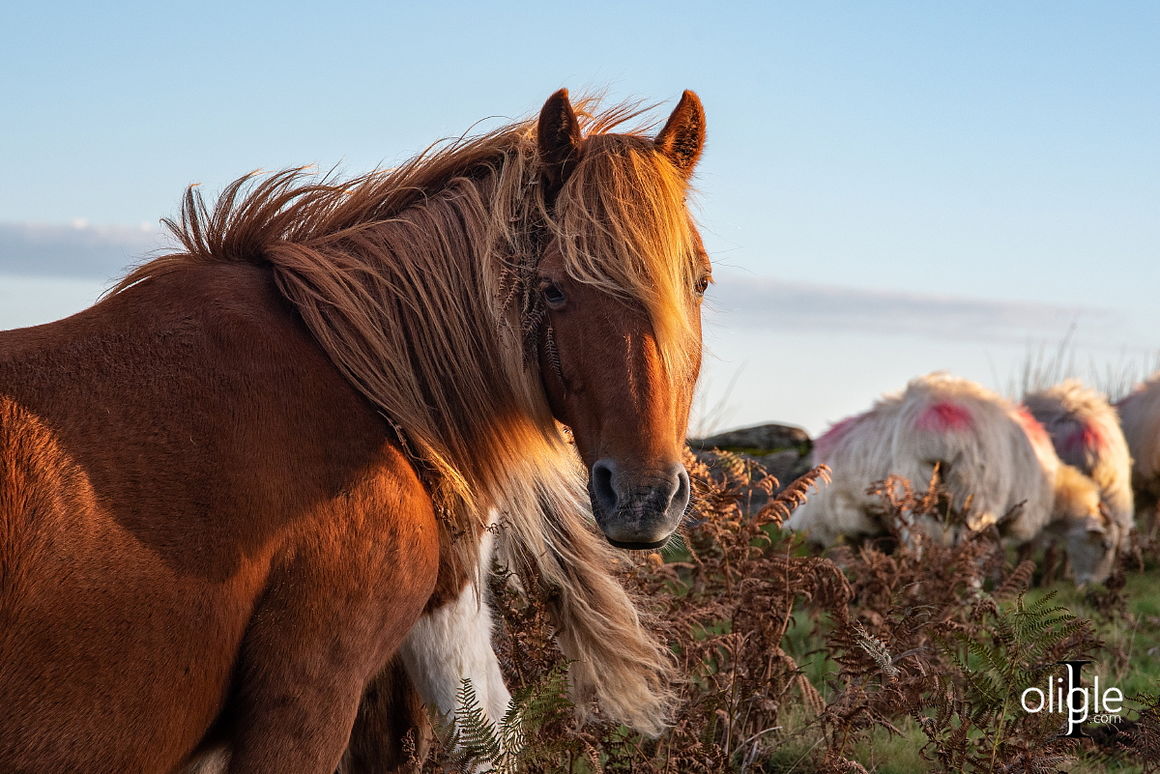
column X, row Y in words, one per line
column 858, row 450
column 1085, row 431
column 1140, row 418
column 995, row 461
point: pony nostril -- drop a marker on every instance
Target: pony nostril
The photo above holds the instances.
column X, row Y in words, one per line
column 603, row 490
column 680, row 498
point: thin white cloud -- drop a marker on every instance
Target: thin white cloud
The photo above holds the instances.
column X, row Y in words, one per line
column 78, row 249
column 740, row 301
column 88, row 252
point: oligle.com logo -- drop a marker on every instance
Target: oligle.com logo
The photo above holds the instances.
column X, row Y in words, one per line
column 1065, row 695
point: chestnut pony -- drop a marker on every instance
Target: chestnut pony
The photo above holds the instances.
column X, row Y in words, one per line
column 230, row 489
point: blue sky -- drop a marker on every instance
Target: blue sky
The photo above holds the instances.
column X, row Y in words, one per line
column 889, row 188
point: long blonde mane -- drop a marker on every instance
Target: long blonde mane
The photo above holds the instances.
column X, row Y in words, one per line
column 419, row 282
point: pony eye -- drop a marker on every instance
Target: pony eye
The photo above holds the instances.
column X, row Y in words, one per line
column 702, row 285
column 552, row 294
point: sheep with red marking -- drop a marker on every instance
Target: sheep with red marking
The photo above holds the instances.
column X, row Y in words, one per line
column 995, row 460
column 1140, row 419
column 1085, row 431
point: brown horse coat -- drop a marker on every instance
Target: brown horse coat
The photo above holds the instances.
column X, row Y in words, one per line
column 299, row 548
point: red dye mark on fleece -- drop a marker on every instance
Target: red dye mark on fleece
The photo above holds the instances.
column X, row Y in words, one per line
column 944, row 416
column 1086, row 437
column 1032, row 427
column 825, row 444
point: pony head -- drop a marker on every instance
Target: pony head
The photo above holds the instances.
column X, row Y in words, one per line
column 620, row 283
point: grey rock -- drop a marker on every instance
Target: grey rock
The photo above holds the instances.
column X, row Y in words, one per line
column 782, row 450
column 759, row 440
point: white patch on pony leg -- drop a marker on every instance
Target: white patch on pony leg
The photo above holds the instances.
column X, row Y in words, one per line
column 453, row 643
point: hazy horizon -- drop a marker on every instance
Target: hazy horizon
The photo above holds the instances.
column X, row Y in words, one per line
column 799, row 353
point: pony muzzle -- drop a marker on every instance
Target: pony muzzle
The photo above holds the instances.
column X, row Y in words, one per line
column 640, row 511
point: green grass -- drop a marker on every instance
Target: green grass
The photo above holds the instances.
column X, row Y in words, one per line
column 1130, row 662
column 1136, row 641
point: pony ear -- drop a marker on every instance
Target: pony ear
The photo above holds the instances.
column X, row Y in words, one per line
column 683, row 137
column 559, row 139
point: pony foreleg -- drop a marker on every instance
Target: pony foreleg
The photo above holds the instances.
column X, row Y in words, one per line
column 448, row 645
column 452, row 644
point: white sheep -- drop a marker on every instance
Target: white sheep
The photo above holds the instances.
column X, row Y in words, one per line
column 1085, row 431
column 995, row 460
column 1140, row 418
